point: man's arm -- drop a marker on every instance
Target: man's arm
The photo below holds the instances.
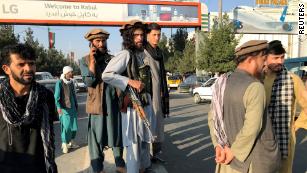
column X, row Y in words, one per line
column 301, row 96
column 254, row 102
column 112, row 73
column 88, row 76
column 57, row 97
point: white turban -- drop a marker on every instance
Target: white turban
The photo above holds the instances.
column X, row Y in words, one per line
column 67, row 69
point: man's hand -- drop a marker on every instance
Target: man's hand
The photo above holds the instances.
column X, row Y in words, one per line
column 219, row 154
column 92, row 60
column 92, row 54
column 60, row 112
column 138, row 85
column 229, row 155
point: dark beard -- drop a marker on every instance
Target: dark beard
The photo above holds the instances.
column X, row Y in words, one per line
column 275, row 67
column 21, row 80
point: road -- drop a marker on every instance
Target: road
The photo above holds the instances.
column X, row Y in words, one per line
column 187, row 147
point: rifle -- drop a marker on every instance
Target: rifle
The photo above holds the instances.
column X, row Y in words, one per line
column 137, row 105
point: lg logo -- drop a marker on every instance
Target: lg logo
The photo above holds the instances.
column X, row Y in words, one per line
column 6, row 9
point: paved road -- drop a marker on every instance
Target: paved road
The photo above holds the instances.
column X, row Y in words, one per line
column 187, row 148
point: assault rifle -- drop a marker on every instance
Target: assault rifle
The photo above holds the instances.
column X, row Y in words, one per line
column 137, row 105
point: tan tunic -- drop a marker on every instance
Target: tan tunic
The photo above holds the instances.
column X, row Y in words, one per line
column 300, row 95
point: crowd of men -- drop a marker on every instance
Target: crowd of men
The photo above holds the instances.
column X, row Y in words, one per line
column 128, row 98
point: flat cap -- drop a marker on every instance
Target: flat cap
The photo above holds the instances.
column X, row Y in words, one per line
column 96, row 33
column 132, row 23
column 251, row 46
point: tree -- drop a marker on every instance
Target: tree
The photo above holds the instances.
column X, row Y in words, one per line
column 217, row 50
column 187, row 62
column 179, row 39
column 7, row 35
column 172, row 63
column 163, row 45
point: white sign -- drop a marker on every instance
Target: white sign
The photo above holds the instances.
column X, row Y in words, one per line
column 63, row 12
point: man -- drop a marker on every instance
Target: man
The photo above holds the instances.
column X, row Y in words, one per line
column 130, row 68
column 67, row 107
column 102, row 104
column 283, row 91
column 241, row 133
column 160, row 96
column 26, row 116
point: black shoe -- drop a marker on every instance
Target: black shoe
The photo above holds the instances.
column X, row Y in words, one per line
column 157, row 159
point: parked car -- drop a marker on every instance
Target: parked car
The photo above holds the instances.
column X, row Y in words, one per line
column 2, row 78
column 48, row 83
column 80, row 86
column 192, row 82
column 204, row 92
column 173, row 81
column 43, row 76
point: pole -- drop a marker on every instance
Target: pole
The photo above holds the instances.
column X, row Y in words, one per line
column 220, row 4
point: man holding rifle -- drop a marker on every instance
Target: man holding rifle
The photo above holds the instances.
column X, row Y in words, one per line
column 130, row 72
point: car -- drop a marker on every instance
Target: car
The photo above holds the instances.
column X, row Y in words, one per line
column 80, row 85
column 43, row 76
column 204, row 92
column 2, row 78
column 173, row 81
column 191, row 82
column 48, row 83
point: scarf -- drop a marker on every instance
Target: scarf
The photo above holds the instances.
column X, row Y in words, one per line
column 218, row 89
column 13, row 115
column 157, row 55
column 279, row 109
column 65, row 80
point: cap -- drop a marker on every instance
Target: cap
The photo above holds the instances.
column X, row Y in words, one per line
column 251, row 46
column 96, row 33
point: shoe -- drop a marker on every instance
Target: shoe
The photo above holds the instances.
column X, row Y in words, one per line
column 156, row 159
column 72, row 145
column 64, row 148
column 121, row 170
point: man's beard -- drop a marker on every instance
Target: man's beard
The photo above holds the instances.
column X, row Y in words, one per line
column 102, row 51
column 139, row 48
column 275, row 67
column 21, row 80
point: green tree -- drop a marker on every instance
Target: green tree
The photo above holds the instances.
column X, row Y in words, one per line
column 172, row 63
column 187, row 62
column 179, row 39
column 7, row 35
column 217, row 50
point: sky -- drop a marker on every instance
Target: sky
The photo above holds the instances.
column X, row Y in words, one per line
column 71, row 38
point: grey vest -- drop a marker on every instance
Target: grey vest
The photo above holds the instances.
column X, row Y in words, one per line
column 264, row 156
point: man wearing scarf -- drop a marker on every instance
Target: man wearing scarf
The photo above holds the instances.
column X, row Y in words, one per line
column 160, row 95
column 240, row 130
column 104, row 127
column 283, row 91
column 67, row 107
column 130, row 69
column 27, row 111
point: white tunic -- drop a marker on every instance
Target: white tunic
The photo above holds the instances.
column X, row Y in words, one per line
column 132, row 125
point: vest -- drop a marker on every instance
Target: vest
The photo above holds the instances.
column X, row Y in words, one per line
column 95, row 94
column 139, row 69
column 265, row 154
column 65, row 94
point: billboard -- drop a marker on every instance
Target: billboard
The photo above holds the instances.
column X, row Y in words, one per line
column 106, row 12
column 254, row 21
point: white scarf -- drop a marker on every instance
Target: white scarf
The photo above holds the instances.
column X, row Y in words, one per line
column 65, row 80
